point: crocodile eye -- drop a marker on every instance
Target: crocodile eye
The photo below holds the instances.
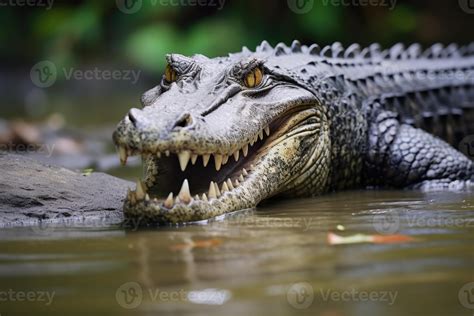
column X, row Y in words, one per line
column 170, row 74
column 253, row 78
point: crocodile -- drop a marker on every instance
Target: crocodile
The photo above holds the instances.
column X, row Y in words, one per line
column 223, row 134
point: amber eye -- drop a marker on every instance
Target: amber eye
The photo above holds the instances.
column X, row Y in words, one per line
column 253, row 78
column 170, row 74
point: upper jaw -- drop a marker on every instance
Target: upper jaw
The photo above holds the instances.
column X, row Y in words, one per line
column 186, row 150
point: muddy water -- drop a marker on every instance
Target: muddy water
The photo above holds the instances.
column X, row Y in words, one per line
column 273, row 261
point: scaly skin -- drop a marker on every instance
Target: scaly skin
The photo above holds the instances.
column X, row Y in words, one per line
column 337, row 119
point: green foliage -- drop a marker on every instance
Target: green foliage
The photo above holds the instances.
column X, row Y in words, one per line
column 147, row 46
column 403, row 20
column 324, row 22
column 95, row 32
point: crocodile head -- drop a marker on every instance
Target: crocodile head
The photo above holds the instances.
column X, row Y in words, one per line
column 220, row 135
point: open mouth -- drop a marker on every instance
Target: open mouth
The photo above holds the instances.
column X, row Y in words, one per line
column 184, row 177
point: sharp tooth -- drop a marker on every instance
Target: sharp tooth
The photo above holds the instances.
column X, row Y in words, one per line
column 194, row 158
column 184, row 195
column 267, row 131
column 260, row 134
column 147, row 197
column 218, row 192
column 255, row 138
column 218, row 161
column 241, row 178
column 205, row 159
column 204, row 197
column 251, row 142
column 245, row 150
column 244, row 172
column 225, row 158
column 224, row 187
column 158, row 155
column 196, row 197
column 169, row 201
column 184, row 159
column 167, row 153
column 236, row 183
column 212, row 191
column 236, row 155
column 133, row 198
column 141, row 190
column 123, row 155
column 229, row 184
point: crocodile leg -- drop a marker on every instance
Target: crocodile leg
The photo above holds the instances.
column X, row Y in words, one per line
column 401, row 155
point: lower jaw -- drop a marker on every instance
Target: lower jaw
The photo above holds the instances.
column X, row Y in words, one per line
column 147, row 213
column 262, row 182
column 256, row 187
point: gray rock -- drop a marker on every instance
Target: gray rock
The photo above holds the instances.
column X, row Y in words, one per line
column 32, row 193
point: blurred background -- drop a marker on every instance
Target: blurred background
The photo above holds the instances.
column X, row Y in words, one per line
column 70, row 70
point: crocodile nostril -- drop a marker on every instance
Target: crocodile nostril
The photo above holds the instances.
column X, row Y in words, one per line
column 184, row 120
column 132, row 116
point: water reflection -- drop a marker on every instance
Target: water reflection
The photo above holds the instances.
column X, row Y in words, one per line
column 276, row 260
